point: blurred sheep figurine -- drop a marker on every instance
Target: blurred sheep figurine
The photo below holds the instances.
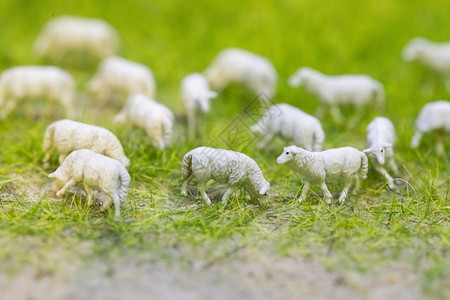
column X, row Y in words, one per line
column 223, row 166
column 117, row 76
column 233, row 65
column 345, row 163
column 66, row 136
column 333, row 91
column 93, row 170
column 74, row 39
column 434, row 116
column 155, row 118
column 31, row 82
column 291, row 124
column 380, row 139
column 196, row 96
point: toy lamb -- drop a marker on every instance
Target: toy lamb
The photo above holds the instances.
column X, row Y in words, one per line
column 435, row 56
column 66, row 136
column 155, row 118
column 233, row 65
column 93, row 170
column 65, row 38
column 292, row 124
column 118, row 76
column 380, row 139
column 345, row 163
column 224, row 166
column 31, row 82
column 434, row 116
column 196, row 95
column 333, row 91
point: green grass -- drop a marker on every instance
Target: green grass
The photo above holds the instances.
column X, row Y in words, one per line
column 178, row 37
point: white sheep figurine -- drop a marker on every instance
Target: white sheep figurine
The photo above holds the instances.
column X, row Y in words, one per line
column 434, row 56
column 234, row 65
column 155, row 118
column 434, row 116
column 292, row 124
column 196, row 95
column 345, row 163
column 334, row 91
column 118, row 77
column 380, row 139
column 68, row 38
column 93, row 170
column 32, row 82
column 224, row 166
column 66, row 136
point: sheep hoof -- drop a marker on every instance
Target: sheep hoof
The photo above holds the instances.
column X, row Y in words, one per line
column 328, row 200
column 300, row 200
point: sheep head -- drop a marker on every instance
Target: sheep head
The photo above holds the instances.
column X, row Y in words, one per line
column 379, row 152
column 288, row 154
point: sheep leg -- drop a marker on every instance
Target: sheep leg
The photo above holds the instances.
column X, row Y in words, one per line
column 386, row 175
column 357, row 185
column 415, row 142
column 393, row 166
column 336, row 113
column 304, row 191
column 88, row 190
column 184, row 188
column 227, row 194
column 440, row 144
column 47, row 156
column 344, row 193
column 67, row 186
column 116, row 200
column 326, row 192
column 202, row 188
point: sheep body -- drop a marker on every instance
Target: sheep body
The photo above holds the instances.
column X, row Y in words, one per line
column 118, row 76
column 345, row 163
column 225, row 166
column 68, row 37
column 196, row 95
column 380, row 139
column 291, row 124
column 333, row 91
column 434, row 116
column 66, row 136
column 155, row 118
column 28, row 82
column 93, row 170
column 234, row 65
column 435, row 56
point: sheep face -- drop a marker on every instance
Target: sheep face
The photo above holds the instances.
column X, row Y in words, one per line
column 257, row 129
column 287, row 155
column 204, row 100
column 379, row 152
column 413, row 49
column 58, row 181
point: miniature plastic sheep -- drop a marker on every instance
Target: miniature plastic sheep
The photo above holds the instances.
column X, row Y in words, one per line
column 155, row 118
column 345, row 163
column 434, row 116
column 117, row 76
column 333, row 91
column 234, row 65
column 68, row 38
column 66, row 136
column 93, row 170
column 30, row 82
column 380, row 139
column 196, row 95
column 223, row 166
column 292, row 124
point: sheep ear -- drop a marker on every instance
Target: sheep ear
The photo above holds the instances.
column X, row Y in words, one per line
column 368, row 150
column 294, row 151
column 387, row 145
column 52, row 175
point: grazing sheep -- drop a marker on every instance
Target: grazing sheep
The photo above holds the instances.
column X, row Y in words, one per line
column 93, row 170
column 333, row 91
column 345, row 163
column 66, row 136
column 292, row 124
column 380, row 139
column 74, row 39
column 434, row 116
column 435, row 56
column 196, row 95
column 233, row 65
column 120, row 77
column 224, row 166
column 30, row 82
column 155, row 118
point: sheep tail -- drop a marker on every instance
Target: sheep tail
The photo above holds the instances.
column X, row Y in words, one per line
column 186, row 168
column 124, row 183
column 48, row 137
column 364, row 166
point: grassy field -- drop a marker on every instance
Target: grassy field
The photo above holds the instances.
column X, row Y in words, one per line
column 372, row 229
